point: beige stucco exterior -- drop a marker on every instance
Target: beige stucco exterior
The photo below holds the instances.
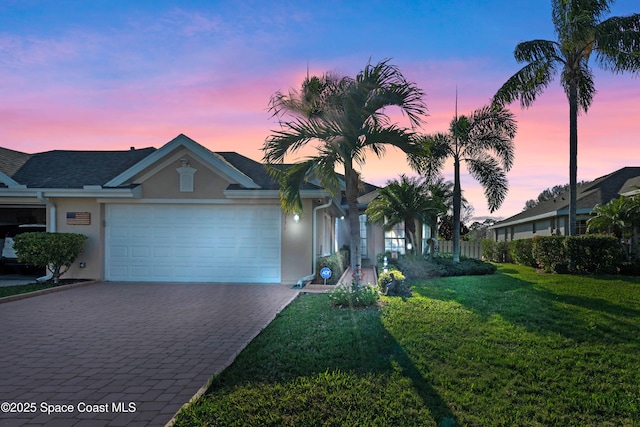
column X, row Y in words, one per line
column 159, row 183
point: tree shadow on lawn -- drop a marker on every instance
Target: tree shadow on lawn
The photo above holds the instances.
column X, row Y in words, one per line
column 351, row 343
column 538, row 309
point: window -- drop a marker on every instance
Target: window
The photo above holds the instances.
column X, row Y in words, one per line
column 581, row 226
column 534, row 227
column 426, row 235
column 394, row 239
column 363, row 236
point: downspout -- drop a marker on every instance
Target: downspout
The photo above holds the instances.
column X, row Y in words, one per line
column 52, row 226
column 305, row 279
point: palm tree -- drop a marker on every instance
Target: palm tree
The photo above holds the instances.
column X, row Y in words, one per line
column 581, row 34
column 484, row 141
column 620, row 217
column 404, row 201
column 347, row 119
column 610, row 217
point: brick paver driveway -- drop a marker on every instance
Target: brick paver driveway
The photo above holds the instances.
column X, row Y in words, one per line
column 123, row 353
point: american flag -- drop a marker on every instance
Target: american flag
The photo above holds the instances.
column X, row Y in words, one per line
column 79, row 218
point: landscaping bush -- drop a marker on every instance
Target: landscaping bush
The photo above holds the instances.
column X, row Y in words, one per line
column 466, row 267
column 489, row 250
column 54, row 251
column 493, row 251
column 502, row 252
column 391, row 263
column 594, row 254
column 417, row 267
column 385, row 277
column 336, row 262
column 521, row 252
column 348, row 295
column 550, row 253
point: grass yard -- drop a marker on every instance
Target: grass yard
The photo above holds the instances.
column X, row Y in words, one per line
column 512, row 349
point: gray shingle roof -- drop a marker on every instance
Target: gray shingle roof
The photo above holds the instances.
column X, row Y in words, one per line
column 599, row 191
column 74, row 169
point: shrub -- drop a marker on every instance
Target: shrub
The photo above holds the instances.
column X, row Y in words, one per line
column 417, row 267
column 594, row 254
column 55, row 251
column 348, row 295
column 385, row 277
column 521, row 252
column 502, row 252
column 466, row 267
column 489, row 250
column 336, row 262
column 550, row 253
column 391, row 263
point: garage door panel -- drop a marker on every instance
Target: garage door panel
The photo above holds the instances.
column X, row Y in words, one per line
column 190, row 243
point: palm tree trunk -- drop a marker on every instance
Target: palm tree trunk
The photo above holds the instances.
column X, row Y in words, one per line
column 573, row 156
column 457, row 202
column 351, row 190
column 410, row 233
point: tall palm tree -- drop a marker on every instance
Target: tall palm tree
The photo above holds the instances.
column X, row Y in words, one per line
column 484, row 141
column 403, row 201
column 348, row 119
column 581, row 34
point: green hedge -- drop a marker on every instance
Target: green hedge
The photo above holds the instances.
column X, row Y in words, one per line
column 337, row 263
column 493, row 251
column 521, row 252
column 551, row 253
column 590, row 254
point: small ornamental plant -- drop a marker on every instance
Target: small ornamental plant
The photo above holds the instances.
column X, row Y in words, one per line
column 349, row 295
column 55, row 251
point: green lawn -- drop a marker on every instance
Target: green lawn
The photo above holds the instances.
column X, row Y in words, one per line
column 6, row 291
column 512, row 349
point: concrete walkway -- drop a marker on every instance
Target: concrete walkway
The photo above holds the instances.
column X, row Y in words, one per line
column 123, row 354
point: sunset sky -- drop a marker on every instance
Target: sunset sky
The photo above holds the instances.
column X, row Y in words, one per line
column 108, row 75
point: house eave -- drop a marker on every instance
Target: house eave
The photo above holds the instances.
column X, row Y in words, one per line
column 86, row 192
column 562, row 212
column 271, row 194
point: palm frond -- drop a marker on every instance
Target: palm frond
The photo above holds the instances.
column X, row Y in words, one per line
column 617, row 43
column 487, row 171
column 429, row 161
column 290, row 182
column 526, row 84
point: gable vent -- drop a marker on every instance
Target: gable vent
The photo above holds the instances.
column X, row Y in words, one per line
column 186, row 176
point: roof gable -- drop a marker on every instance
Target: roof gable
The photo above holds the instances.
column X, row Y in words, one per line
column 218, row 162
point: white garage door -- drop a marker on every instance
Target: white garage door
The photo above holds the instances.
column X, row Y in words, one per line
column 193, row 243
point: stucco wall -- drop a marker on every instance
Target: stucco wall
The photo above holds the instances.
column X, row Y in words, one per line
column 93, row 254
column 297, row 247
column 165, row 183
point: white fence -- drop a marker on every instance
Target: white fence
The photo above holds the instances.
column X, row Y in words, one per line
column 468, row 249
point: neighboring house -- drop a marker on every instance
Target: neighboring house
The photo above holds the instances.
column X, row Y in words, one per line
column 552, row 216
column 180, row 213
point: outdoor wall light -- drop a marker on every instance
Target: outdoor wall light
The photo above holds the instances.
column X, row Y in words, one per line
column 296, row 217
column 409, row 246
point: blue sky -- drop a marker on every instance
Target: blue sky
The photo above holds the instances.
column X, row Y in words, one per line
column 115, row 74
